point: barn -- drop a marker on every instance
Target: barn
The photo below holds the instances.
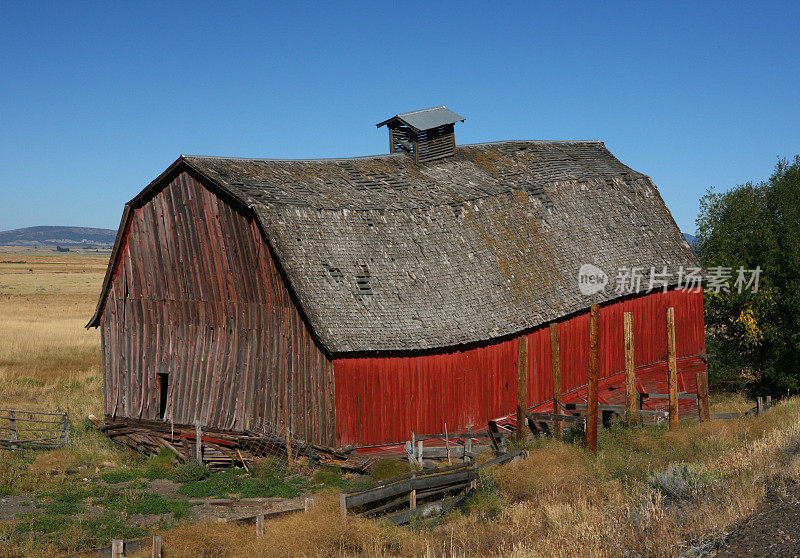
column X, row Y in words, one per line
column 354, row 301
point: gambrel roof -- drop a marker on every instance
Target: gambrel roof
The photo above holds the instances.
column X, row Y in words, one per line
column 387, row 255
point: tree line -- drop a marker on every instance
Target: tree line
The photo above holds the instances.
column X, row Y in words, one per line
column 754, row 337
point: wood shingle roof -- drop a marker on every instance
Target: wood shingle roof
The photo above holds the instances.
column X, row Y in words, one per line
column 387, row 255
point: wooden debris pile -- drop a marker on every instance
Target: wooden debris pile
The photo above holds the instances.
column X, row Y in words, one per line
column 220, row 449
column 420, row 493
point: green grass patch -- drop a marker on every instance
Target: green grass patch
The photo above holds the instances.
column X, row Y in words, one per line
column 58, row 507
column 137, row 502
column 236, row 482
column 120, row 475
column 68, row 534
column 387, row 468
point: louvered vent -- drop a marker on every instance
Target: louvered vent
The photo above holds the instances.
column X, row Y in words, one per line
column 426, row 135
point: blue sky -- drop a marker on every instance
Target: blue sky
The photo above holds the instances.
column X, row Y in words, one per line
column 96, row 99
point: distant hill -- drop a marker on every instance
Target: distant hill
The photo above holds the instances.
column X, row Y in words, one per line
column 67, row 237
column 691, row 239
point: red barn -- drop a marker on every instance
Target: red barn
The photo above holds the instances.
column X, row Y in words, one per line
column 356, row 300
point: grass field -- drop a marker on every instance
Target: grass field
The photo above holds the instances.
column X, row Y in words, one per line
column 648, row 493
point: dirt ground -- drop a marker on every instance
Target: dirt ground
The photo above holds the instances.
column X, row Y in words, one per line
column 772, row 530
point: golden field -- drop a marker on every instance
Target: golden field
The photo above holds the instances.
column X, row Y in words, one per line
column 558, row 501
column 48, row 360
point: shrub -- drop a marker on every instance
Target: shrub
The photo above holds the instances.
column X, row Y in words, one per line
column 685, row 481
column 330, row 476
column 270, row 467
column 190, row 471
column 159, row 466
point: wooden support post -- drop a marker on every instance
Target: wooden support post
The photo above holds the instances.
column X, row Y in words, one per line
column 260, row 525
column 309, row 503
column 198, row 442
column 468, row 445
column 419, row 453
column 594, row 370
column 555, row 365
column 156, row 546
column 343, row 504
column 412, row 499
column 672, row 376
column 12, row 424
column 117, row 548
column 631, row 395
column 522, row 386
column 447, row 444
column 288, row 447
column 65, row 429
column 769, row 401
column 759, row 405
column 701, row 378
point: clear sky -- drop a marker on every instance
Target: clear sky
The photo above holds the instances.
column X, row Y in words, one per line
column 96, row 99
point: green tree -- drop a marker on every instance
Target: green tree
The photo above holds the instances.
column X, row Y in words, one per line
column 755, row 337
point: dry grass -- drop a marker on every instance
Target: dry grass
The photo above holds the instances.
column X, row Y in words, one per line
column 48, row 360
column 559, row 501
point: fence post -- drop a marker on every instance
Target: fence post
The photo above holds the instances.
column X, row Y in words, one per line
column 631, row 395
column 309, row 503
column 260, row 525
column 672, row 377
column 343, row 504
column 594, row 366
column 701, row 378
column 288, row 446
column 468, row 445
column 198, row 447
column 12, row 424
column 555, row 364
column 65, row 429
column 769, row 401
column 156, row 546
column 522, row 385
column 117, row 548
column 447, row 444
column 759, row 405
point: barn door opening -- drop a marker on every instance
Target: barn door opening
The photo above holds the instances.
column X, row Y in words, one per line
column 163, row 391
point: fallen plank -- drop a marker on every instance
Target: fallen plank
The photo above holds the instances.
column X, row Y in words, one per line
column 551, row 417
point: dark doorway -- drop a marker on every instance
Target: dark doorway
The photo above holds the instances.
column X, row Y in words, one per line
column 163, row 390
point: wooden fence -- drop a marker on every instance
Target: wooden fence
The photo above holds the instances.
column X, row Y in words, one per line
column 24, row 429
column 400, row 499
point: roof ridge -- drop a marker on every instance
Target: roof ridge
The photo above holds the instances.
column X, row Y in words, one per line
column 382, row 155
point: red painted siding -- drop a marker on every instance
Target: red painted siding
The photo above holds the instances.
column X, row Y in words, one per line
column 382, row 400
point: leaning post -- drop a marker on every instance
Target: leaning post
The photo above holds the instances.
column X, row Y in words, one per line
column 672, row 378
column 555, row 361
column 631, row 395
column 522, row 385
column 198, row 433
column 594, row 369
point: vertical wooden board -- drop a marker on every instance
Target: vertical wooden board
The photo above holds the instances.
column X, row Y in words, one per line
column 592, row 383
column 555, row 364
column 631, row 394
column 522, row 385
column 672, row 383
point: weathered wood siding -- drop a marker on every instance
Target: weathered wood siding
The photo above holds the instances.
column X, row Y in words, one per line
column 384, row 399
column 196, row 294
